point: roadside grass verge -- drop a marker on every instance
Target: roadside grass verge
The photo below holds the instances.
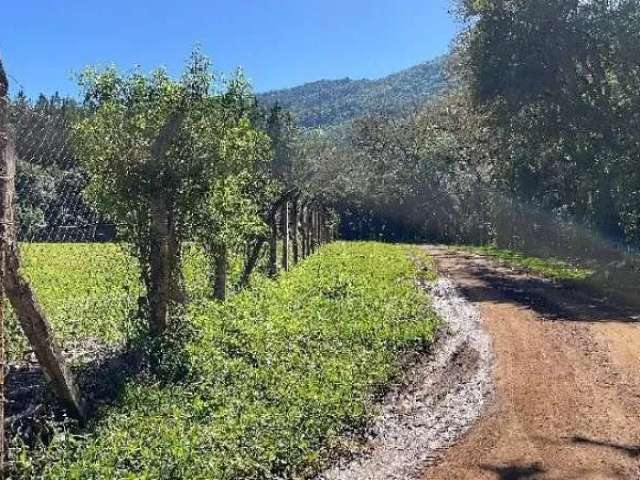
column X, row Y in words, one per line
column 276, row 376
column 553, row 268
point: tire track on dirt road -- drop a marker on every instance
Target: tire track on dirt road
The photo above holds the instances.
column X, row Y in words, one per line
column 567, row 380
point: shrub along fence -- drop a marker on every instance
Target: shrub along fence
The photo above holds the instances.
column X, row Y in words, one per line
column 60, row 181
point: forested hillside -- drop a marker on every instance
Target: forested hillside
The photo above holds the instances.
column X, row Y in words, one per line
column 534, row 147
column 332, row 102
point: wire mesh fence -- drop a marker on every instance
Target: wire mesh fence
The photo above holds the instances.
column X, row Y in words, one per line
column 49, row 185
column 74, row 292
column 42, row 203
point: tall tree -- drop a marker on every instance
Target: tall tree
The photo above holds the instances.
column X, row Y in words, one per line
column 138, row 142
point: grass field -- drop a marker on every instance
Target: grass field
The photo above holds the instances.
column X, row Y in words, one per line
column 91, row 290
column 86, row 290
column 275, row 376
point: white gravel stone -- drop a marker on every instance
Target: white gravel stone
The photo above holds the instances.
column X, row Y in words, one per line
column 438, row 402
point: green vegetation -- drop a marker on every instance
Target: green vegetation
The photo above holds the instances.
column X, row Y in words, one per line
column 426, row 265
column 547, row 267
column 87, row 290
column 333, row 102
column 193, row 173
column 277, row 374
column 90, row 291
column 533, row 146
column 198, row 170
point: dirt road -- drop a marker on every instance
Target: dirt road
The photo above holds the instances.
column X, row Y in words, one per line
column 567, row 379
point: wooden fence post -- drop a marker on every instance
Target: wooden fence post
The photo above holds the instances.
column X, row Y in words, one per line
column 296, row 237
column 23, row 300
column 303, row 226
column 285, row 235
column 273, row 244
column 314, row 227
column 314, row 239
column 311, row 229
column 307, row 230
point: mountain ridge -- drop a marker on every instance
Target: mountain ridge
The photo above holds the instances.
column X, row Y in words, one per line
column 325, row 102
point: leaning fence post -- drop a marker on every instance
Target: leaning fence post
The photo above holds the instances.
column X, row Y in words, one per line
column 32, row 319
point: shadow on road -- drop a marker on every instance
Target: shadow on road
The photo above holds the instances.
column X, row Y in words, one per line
column 632, row 451
column 553, row 300
column 515, row 472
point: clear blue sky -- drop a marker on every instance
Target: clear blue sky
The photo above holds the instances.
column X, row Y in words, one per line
column 279, row 43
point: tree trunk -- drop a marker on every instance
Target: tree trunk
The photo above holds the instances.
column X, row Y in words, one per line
column 251, row 262
column 221, row 267
column 296, row 237
column 22, row 298
column 160, row 293
column 165, row 287
column 285, row 236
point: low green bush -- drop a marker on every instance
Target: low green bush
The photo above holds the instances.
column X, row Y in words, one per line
column 277, row 375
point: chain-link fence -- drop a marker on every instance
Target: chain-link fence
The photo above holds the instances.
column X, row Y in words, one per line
column 73, row 293
column 49, row 184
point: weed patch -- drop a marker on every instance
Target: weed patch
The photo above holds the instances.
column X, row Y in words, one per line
column 275, row 376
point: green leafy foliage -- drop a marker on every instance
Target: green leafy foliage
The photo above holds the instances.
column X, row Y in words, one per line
column 276, row 375
column 559, row 84
column 174, row 161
